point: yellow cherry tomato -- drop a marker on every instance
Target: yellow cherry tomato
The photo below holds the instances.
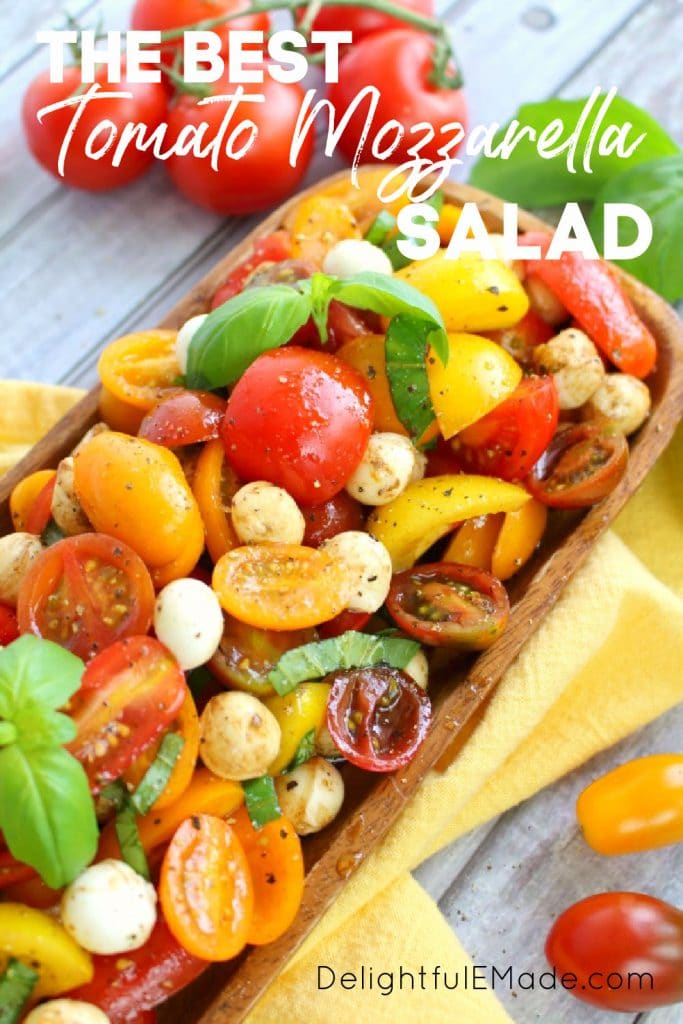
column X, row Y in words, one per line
column 479, row 375
column 138, row 368
column 38, row 941
column 136, row 492
column 317, row 224
column 471, row 293
column 474, row 541
column 298, row 713
column 518, row 538
column 215, row 484
column 363, row 201
column 24, row 495
column 120, row 415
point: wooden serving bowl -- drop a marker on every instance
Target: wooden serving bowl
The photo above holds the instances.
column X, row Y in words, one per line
column 225, row 993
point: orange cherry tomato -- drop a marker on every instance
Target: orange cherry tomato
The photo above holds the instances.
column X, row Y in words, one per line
column 280, row 586
column 205, row 890
column 362, row 201
column 317, row 224
column 139, row 368
column 214, row 486
column 186, row 724
column 474, row 541
column 41, row 509
column 184, row 563
column 25, row 494
column 518, row 538
column 366, row 354
column 276, row 864
column 120, row 415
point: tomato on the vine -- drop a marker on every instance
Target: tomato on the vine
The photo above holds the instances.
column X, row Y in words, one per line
column 363, row 21
column 165, row 15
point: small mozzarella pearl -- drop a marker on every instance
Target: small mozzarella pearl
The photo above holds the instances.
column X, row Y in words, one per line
column 189, row 621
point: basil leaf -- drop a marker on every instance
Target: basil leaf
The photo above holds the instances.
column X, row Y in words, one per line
column 132, row 850
column 156, row 777
column 350, row 650
column 380, row 229
column 38, row 726
column 261, row 800
column 244, row 327
column 304, row 752
column 46, row 812
column 405, row 349
column 527, row 178
column 35, row 671
column 398, row 260
column 657, row 187
column 16, row 985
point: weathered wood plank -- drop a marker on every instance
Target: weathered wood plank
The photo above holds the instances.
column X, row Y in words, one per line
column 19, row 23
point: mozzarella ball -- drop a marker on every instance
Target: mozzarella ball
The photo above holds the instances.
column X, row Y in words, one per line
column 239, row 736
column 575, row 364
column 367, row 568
column 185, row 336
column 418, row 669
column 623, row 400
column 66, row 510
column 324, row 744
column 188, row 619
column 356, row 256
column 67, row 1011
column 264, row 512
column 389, row 464
column 109, row 908
column 18, row 552
column 545, row 303
column 310, row 796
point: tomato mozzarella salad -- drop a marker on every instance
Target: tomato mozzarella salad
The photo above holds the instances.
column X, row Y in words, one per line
column 233, row 584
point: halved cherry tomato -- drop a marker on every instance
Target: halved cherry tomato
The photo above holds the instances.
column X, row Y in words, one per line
column 206, row 891
column 271, row 249
column 139, row 368
column 276, row 866
column 519, row 537
column 340, row 513
column 24, row 495
column 9, row 625
column 86, row 592
column 583, row 463
column 280, row 586
column 119, row 415
column 186, row 725
column 449, row 605
column 214, row 486
column 131, row 693
column 317, row 224
column 41, row 510
column 187, row 417
column 377, row 717
column 474, row 541
column 342, row 623
column 300, row 419
column 520, row 340
column 510, row 439
column 246, row 655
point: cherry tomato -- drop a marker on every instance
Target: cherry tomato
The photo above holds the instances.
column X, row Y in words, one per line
column 33, row 892
column 449, row 605
column 340, row 513
column 13, row 871
column 185, row 725
column 362, row 21
column 138, row 369
column 510, row 439
column 398, row 63
column 214, row 486
column 188, row 417
column 147, row 105
column 86, row 592
column 610, row 940
column 262, row 176
column 131, row 693
column 206, row 891
column 144, row 978
column 163, row 15
column 583, row 463
column 41, row 510
column 299, row 419
column 342, row 623
column 119, row 415
column 377, row 717
column 26, row 493
column 442, row 460
column 9, row 626
column 519, row 341
column 246, row 655
column 275, row 248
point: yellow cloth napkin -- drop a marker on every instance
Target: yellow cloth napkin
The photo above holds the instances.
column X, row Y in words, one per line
column 605, row 662
column 27, row 411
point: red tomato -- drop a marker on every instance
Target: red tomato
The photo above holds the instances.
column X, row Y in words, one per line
column 187, row 417
column 130, row 693
column 362, row 21
column 274, row 248
column 41, row 509
column 125, row 986
column 13, row 871
column 340, row 513
column 377, row 717
column 9, row 626
column 263, row 175
column 624, row 948
column 86, row 592
column 342, row 623
column 520, row 341
column 147, row 106
column 583, row 463
column 162, row 15
column 510, row 439
column 442, row 460
column 399, row 64
column 300, row 419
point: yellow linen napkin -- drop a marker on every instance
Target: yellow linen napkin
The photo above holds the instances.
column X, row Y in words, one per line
column 27, row 411
column 605, row 662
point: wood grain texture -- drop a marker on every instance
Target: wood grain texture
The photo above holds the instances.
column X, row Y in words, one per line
column 225, row 994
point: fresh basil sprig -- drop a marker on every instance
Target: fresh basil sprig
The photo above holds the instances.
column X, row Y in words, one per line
column 47, row 813
column 405, row 348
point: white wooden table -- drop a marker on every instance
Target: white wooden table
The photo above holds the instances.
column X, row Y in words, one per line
column 77, row 270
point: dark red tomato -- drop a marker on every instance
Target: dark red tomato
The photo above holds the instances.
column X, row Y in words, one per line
column 246, row 655
column 583, row 464
column 362, row 21
column 13, row 871
column 9, row 626
column 442, row 460
column 624, row 948
column 342, row 623
column 163, row 15
column 86, row 592
column 262, row 175
column 510, row 439
column 398, row 63
column 147, row 106
column 274, row 248
column 377, row 717
column 188, row 417
column 125, row 986
column 340, row 513
column 449, row 605
column 130, row 693
column 41, row 509
column 519, row 341
column 299, row 419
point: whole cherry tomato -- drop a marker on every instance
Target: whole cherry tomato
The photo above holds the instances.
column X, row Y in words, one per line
column 362, row 21
column 164, row 15
column 187, row 417
column 340, row 513
column 583, row 463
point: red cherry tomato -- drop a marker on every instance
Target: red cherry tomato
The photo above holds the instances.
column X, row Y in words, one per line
column 86, row 592
column 399, row 64
column 163, row 15
column 377, row 717
column 147, row 106
column 262, row 176
column 342, row 623
column 449, row 605
column 274, row 248
column 340, row 513
column 442, row 460
column 130, row 693
column 583, row 463
column 625, row 950
column 188, row 417
column 362, row 21
column 13, row 871
column 510, row 439
column 9, row 626
column 300, row 419
column 41, row 509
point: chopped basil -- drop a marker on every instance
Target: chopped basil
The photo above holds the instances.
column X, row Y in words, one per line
column 405, row 349
column 126, row 826
column 390, row 244
column 381, row 228
column 260, row 799
column 52, row 534
column 304, row 752
column 16, row 985
column 159, row 772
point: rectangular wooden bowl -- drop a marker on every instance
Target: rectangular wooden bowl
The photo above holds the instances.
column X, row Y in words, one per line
column 225, row 994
